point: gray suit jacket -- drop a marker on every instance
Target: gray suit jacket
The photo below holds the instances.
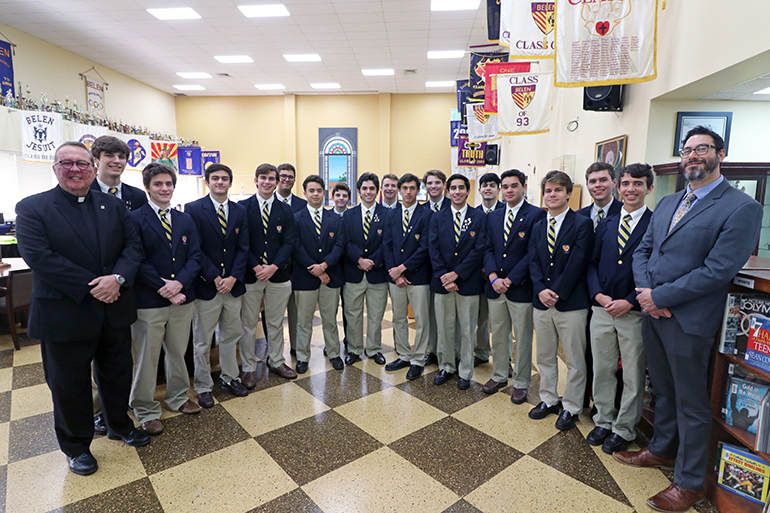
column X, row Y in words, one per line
column 689, row 269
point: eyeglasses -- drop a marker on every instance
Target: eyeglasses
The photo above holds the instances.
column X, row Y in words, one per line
column 288, row 178
column 700, row 150
column 67, row 164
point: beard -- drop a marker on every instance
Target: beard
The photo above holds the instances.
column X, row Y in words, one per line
column 707, row 166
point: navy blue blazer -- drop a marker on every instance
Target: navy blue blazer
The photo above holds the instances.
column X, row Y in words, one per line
column 279, row 242
column 565, row 271
column 611, row 272
column 311, row 249
column 356, row 247
column 133, row 197
column 511, row 260
column 297, row 203
column 464, row 258
column 410, row 250
column 615, row 207
column 180, row 261
column 221, row 255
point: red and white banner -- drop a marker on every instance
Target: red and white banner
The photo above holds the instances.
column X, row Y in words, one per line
column 605, row 43
column 532, row 28
column 491, row 69
column 524, row 103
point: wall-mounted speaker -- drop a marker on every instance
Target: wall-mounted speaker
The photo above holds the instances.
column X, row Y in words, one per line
column 492, row 155
column 601, row 98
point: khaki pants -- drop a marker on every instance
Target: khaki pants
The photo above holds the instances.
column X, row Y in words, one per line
column 376, row 295
column 222, row 314
column 326, row 299
column 451, row 308
column 418, row 297
column 503, row 315
column 276, row 296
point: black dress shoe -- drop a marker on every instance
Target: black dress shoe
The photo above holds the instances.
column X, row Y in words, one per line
column 597, row 436
column 293, row 352
column 337, row 363
column 479, row 361
column 566, row 421
column 397, row 364
column 301, row 367
column 431, row 359
column 442, row 377
column 378, row 359
column 463, row 384
column 99, row 426
column 615, row 442
column 206, row 400
column 414, row 372
column 235, row 387
column 352, row 358
column 83, row 465
column 136, row 438
column 542, row 410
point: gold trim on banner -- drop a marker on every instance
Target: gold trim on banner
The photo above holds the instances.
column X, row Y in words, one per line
column 526, row 133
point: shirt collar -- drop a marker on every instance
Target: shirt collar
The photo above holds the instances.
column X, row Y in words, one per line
column 462, row 211
column 702, row 192
column 106, row 188
column 216, row 203
column 156, row 208
column 262, row 202
column 635, row 215
column 280, row 198
column 559, row 218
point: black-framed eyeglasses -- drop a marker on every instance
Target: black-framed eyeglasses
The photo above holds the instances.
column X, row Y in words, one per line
column 286, row 177
column 699, row 150
column 67, row 164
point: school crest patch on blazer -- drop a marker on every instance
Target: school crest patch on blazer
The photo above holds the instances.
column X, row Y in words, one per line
column 521, row 235
column 565, row 248
column 278, row 228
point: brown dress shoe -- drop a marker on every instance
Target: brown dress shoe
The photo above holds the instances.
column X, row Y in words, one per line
column 284, row 371
column 153, row 427
column 643, row 458
column 492, row 386
column 519, row 395
column 676, row 498
column 189, row 408
column 249, row 379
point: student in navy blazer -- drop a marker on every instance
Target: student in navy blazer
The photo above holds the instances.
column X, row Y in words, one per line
column 560, row 299
column 110, row 156
column 224, row 233
column 164, row 295
column 600, row 181
column 407, row 261
column 616, row 323
column 456, row 244
column 364, row 270
column 509, row 289
column 317, row 273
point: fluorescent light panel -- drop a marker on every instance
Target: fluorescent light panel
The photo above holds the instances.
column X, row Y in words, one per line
column 302, row 57
column 454, row 5
column 233, row 59
column 269, row 87
column 188, row 87
column 446, row 54
column 440, row 83
column 175, row 13
column 763, row 91
column 193, row 74
column 378, row 72
column 264, row 11
column 325, row 85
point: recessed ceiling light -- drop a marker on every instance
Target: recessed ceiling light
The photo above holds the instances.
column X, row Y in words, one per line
column 233, row 59
column 194, row 74
column 378, row 72
column 269, row 87
column 454, row 5
column 188, row 87
column 302, row 57
column 763, row 91
column 326, row 85
column 440, row 83
column 446, row 54
column 263, row 11
column 175, row 13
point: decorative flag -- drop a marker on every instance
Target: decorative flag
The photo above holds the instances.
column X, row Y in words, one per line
column 477, row 73
column 140, row 151
column 470, row 154
column 532, row 28
column 87, row 134
column 524, row 102
column 463, row 93
column 41, row 134
column 95, row 96
column 606, row 43
column 6, row 69
column 493, row 20
column 481, row 126
column 505, row 22
column 190, row 161
column 454, row 134
column 164, row 152
column 210, row 157
column 491, row 70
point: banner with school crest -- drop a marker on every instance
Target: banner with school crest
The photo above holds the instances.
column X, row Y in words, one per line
column 87, row 134
column 477, row 73
column 470, row 154
column 505, row 22
column 481, row 126
column 6, row 69
column 41, row 134
column 140, row 152
column 190, row 161
column 95, row 96
column 532, row 29
column 492, row 69
column 209, row 157
column 605, row 43
column 524, row 103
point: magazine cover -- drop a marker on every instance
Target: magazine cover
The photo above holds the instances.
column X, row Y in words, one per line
column 758, row 304
column 730, row 324
column 743, row 473
column 758, row 346
column 744, row 404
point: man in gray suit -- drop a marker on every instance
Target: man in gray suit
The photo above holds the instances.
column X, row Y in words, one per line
column 697, row 240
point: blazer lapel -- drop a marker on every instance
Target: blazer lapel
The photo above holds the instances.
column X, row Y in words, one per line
column 696, row 209
column 152, row 220
column 211, row 214
column 566, row 225
column 639, row 230
column 517, row 222
column 70, row 214
column 102, row 224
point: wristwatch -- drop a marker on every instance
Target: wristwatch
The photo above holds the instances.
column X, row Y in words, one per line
column 120, row 279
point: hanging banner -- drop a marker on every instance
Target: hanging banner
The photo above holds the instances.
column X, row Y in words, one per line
column 454, row 134
column 6, row 69
column 470, row 154
column 491, row 70
column 210, row 157
column 477, row 73
column 463, row 93
column 605, row 43
column 524, row 103
column 190, row 161
column 532, row 29
column 493, row 20
column 505, row 22
column 139, row 147
column 95, row 97
column 41, row 134
column 481, row 126
column 164, row 152
column 87, row 134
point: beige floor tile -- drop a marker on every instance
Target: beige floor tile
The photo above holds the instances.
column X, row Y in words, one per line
column 6, row 342
column 27, row 355
column 29, row 401
column 524, row 484
column 6, row 379
column 5, row 429
column 44, row 482
column 289, row 403
column 377, row 483
column 196, row 486
column 508, row 422
column 390, row 414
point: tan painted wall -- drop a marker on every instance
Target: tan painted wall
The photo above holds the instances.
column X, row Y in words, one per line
column 419, row 133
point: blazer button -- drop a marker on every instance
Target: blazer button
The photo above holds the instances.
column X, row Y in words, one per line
column 224, row 250
column 548, row 279
column 222, row 265
column 402, row 251
column 173, row 275
column 551, row 264
column 505, row 255
column 620, row 262
column 173, row 259
column 455, row 254
column 320, row 250
column 366, row 251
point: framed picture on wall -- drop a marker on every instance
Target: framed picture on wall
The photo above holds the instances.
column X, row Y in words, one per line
column 613, row 152
column 719, row 122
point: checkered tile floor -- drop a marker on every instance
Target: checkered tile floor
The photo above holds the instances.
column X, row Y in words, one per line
column 359, row 440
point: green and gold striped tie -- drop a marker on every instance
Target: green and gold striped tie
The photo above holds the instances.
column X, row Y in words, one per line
column 624, row 233
column 457, row 228
column 265, row 220
column 406, row 221
column 435, row 207
column 223, row 219
column 599, row 217
column 551, row 236
column 166, row 223
column 507, row 227
column 317, row 222
column 367, row 223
